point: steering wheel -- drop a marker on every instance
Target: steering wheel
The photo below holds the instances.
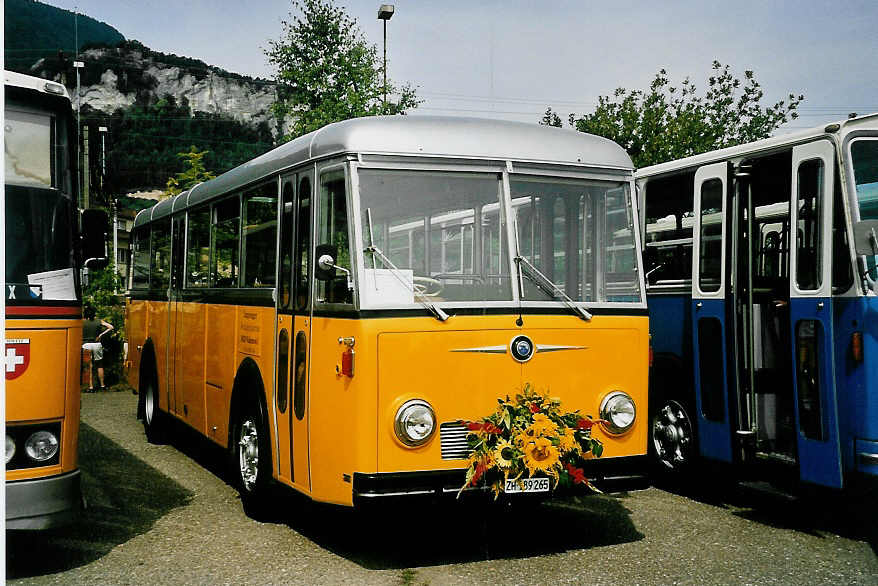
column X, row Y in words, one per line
column 427, row 286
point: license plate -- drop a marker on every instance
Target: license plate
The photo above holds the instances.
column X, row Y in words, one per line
column 527, row 485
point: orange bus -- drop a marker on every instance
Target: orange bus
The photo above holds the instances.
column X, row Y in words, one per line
column 330, row 311
column 43, row 329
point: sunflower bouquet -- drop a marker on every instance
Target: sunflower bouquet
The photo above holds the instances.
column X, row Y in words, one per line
column 529, row 437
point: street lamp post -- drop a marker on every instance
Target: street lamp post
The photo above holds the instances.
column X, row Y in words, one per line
column 385, row 12
column 78, row 65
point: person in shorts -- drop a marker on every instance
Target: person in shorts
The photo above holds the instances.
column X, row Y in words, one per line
column 92, row 331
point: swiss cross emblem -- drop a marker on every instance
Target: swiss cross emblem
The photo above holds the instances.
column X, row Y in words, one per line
column 17, row 357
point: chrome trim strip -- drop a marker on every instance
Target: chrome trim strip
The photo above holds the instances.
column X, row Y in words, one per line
column 399, row 493
column 553, row 348
column 483, row 350
column 869, row 459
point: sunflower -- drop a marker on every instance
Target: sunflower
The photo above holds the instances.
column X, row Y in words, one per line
column 504, row 460
column 540, row 455
column 543, row 426
column 568, row 442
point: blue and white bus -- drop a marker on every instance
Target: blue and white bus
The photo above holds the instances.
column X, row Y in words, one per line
column 763, row 300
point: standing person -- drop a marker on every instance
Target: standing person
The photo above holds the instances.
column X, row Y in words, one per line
column 91, row 341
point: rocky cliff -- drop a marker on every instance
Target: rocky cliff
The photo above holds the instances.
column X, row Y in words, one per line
column 118, row 77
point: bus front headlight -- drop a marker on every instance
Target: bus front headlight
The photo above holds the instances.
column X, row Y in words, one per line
column 618, row 411
column 414, row 423
column 10, row 448
column 41, row 446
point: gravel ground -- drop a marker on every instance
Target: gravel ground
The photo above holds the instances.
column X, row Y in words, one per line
column 165, row 515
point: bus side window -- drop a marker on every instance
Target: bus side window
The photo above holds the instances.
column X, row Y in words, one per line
column 285, row 278
column 198, row 248
column 303, row 244
column 225, row 269
column 140, row 262
column 668, row 203
column 260, row 236
column 810, row 211
column 160, row 259
column 332, row 229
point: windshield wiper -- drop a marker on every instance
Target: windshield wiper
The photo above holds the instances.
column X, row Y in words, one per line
column 434, row 309
column 546, row 284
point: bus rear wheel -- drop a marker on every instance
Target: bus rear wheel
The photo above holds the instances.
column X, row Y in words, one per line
column 251, row 459
column 154, row 422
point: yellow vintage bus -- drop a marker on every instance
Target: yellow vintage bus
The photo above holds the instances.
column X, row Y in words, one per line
column 43, row 329
column 330, row 311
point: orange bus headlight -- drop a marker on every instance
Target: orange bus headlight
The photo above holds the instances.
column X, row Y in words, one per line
column 414, row 423
column 618, row 411
column 41, row 446
column 10, row 448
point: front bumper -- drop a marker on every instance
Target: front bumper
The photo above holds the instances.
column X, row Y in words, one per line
column 43, row 502
column 610, row 475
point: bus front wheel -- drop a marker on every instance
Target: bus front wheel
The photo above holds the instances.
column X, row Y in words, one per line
column 672, row 437
column 251, row 459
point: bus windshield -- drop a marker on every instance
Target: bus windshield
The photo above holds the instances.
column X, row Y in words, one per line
column 446, row 238
column 39, row 258
column 442, row 230
column 579, row 234
column 864, row 155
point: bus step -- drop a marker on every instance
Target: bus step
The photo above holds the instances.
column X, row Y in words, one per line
column 766, row 489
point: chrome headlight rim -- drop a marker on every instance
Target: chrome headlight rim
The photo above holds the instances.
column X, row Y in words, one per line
column 399, row 421
column 31, row 450
column 607, row 423
column 10, row 448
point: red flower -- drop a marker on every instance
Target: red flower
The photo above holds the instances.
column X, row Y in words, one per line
column 491, row 428
column 477, row 475
column 577, row 474
column 534, row 408
column 584, row 423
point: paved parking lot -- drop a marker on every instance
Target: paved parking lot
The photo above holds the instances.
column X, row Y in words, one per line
column 165, row 515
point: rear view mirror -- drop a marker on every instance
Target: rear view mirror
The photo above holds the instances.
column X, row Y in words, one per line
column 866, row 237
column 325, row 267
column 93, row 237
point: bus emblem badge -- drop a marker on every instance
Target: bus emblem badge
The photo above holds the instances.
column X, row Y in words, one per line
column 17, row 357
column 522, row 348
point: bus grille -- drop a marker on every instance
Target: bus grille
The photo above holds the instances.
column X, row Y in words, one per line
column 453, row 439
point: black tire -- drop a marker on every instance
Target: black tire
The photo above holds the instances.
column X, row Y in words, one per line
column 250, row 458
column 155, row 422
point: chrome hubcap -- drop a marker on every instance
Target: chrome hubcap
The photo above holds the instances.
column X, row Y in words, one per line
column 672, row 435
column 149, row 406
column 248, row 454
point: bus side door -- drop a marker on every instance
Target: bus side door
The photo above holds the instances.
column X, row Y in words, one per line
column 708, row 307
column 294, row 332
column 811, row 314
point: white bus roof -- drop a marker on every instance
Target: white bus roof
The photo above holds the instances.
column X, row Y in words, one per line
column 414, row 136
column 44, row 86
column 768, row 144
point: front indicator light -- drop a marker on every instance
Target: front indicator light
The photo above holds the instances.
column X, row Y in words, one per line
column 10, row 448
column 41, row 446
column 414, row 423
column 618, row 411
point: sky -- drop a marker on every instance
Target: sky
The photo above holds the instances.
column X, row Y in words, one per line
column 513, row 58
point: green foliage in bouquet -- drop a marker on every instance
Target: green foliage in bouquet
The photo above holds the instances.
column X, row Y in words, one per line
column 530, row 436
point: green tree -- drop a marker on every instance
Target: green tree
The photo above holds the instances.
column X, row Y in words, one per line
column 194, row 173
column 667, row 122
column 326, row 71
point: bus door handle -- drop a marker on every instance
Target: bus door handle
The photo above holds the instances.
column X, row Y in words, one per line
column 699, row 305
column 819, row 305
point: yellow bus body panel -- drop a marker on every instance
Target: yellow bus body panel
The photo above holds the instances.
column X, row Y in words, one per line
column 351, row 419
column 49, row 389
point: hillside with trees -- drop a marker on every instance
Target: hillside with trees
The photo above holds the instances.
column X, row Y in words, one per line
column 33, row 31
